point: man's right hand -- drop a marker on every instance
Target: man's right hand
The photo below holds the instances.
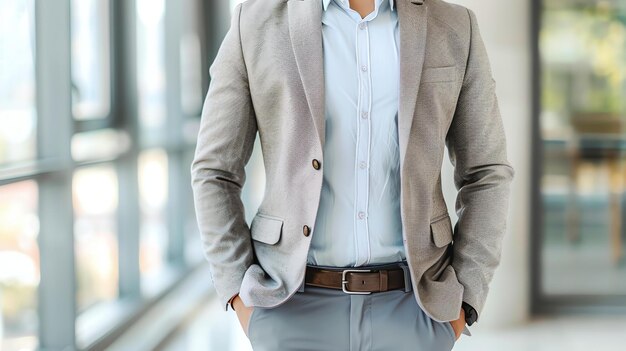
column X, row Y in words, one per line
column 243, row 313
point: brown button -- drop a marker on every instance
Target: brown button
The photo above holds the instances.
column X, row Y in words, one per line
column 316, row 164
column 306, row 230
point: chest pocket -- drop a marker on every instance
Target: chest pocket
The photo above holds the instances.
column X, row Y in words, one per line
column 438, row 91
column 266, row 229
column 439, row 74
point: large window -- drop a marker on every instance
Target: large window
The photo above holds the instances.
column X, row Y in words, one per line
column 19, row 221
column 17, row 81
column 95, row 193
column 582, row 133
column 151, row 77
column 153, row 237
column 99, row 107
column 91, row 58
column 19, row 265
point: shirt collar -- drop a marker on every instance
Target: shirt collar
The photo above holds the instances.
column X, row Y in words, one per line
column 327, row 2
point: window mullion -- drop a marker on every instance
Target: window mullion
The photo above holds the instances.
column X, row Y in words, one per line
column 125, row 97
column 174, row 10
column 57, row 299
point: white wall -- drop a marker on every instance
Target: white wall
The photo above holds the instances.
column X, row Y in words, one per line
column 505, row 27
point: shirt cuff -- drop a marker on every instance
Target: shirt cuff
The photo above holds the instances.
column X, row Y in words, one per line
column 471, row 314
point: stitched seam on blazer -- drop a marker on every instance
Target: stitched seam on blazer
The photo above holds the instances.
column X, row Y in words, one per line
column 469, row 46
column 243, row 61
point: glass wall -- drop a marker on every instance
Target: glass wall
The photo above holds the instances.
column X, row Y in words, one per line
column 95, row 200
column 582, row 122
column 17, row 81
column 19, row 220
column 19, row 265
column 99, row 106
column 151, row 69
column 153, row 237
column 91, row 58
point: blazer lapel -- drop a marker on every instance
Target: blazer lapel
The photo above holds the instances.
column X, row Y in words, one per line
column 412, row 29
column 305, row 31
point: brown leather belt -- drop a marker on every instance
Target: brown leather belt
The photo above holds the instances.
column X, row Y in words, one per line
column 358, row 280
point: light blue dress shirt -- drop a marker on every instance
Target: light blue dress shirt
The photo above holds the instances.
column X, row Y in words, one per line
column 358, row 220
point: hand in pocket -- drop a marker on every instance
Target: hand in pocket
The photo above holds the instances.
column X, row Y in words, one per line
column 459, row 324
column 243, row 313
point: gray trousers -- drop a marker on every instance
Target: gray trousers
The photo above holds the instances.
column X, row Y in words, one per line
column 323, row 319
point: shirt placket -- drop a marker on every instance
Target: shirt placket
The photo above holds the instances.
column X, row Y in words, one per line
column 362, row 158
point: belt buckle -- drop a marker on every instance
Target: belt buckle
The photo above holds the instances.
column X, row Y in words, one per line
column 344, row 282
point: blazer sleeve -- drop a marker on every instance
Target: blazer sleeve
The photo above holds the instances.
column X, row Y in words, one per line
column 482, row 175
column 224, row 145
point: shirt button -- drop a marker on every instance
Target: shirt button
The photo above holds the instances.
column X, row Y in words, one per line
column 364, row 114
column 316, row 164
column 362, row 25
column 364, row 68
column 362, row 164
column 306, row 230
column 361, row 215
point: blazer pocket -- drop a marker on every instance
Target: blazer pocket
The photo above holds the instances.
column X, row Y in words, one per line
column 438, row 74
column 441, row 231
column 265, row 228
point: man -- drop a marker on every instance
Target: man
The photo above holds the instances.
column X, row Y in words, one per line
column 352, row 247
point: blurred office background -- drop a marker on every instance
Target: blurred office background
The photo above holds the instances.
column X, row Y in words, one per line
column 100, row 103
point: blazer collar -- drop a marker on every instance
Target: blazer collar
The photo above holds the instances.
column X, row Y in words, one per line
column 327, row 2
column 305, row 32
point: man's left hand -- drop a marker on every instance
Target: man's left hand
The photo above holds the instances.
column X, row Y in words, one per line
column 458, row 324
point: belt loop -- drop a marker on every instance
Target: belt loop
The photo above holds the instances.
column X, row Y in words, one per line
column 407, row 277
column 383, row 280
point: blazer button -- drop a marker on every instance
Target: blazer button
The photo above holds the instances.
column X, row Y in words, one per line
column 306, row 230
column 316, row 164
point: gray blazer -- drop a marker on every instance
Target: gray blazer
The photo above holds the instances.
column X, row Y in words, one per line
column 268, row 77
